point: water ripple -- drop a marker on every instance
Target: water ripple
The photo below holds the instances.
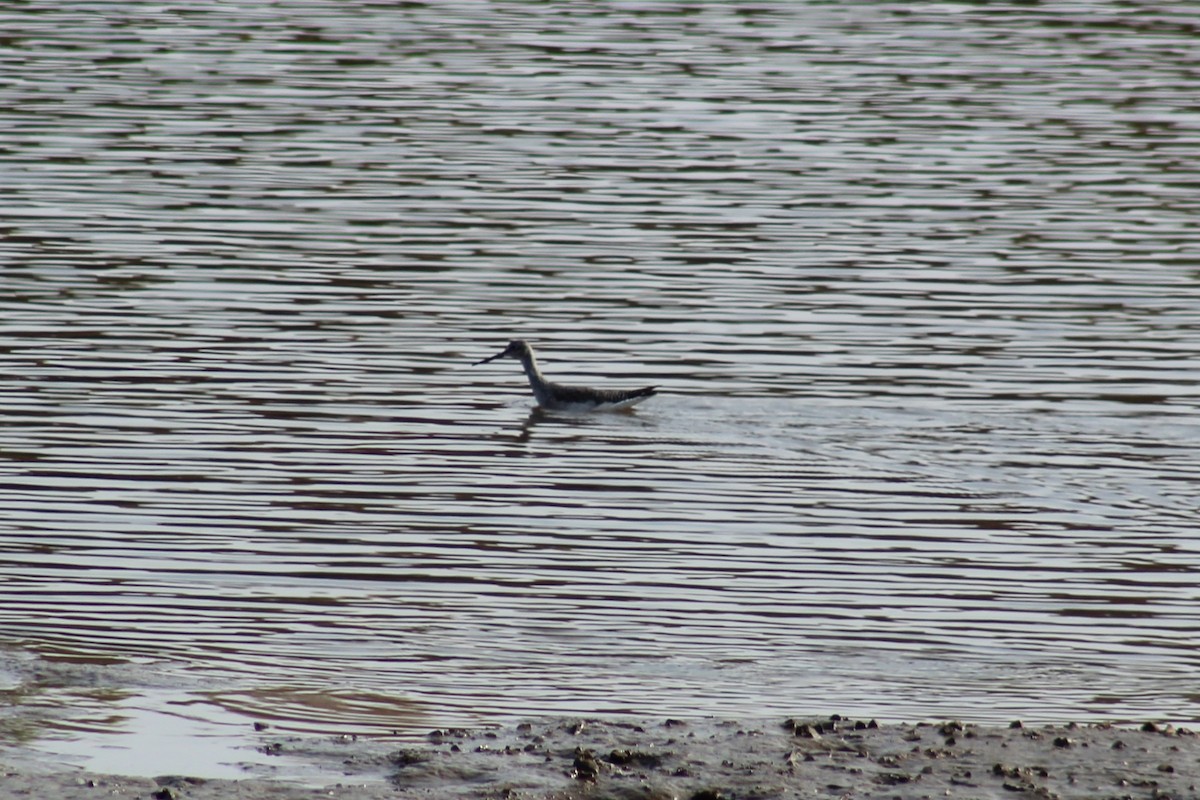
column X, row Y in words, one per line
column 919, row 286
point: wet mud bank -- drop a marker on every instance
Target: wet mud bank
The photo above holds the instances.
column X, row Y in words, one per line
column 700, row 760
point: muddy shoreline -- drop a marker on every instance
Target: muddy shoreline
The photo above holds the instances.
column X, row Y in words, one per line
column 697, row 760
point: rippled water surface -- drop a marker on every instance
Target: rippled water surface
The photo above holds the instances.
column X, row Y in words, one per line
column 920, row 285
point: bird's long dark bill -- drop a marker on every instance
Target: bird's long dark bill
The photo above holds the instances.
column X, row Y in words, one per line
column 489, row 358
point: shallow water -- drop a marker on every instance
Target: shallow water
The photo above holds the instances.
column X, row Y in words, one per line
column 920, row 287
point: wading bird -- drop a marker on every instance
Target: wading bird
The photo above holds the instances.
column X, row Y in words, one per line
column 556, row 397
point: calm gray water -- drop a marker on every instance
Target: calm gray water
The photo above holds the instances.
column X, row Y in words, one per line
column 920, row 286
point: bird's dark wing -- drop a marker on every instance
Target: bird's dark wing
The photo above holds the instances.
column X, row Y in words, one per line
column 580, row 394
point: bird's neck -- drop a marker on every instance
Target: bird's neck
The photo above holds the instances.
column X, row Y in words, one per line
column 529, row 363
column 539, row 385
